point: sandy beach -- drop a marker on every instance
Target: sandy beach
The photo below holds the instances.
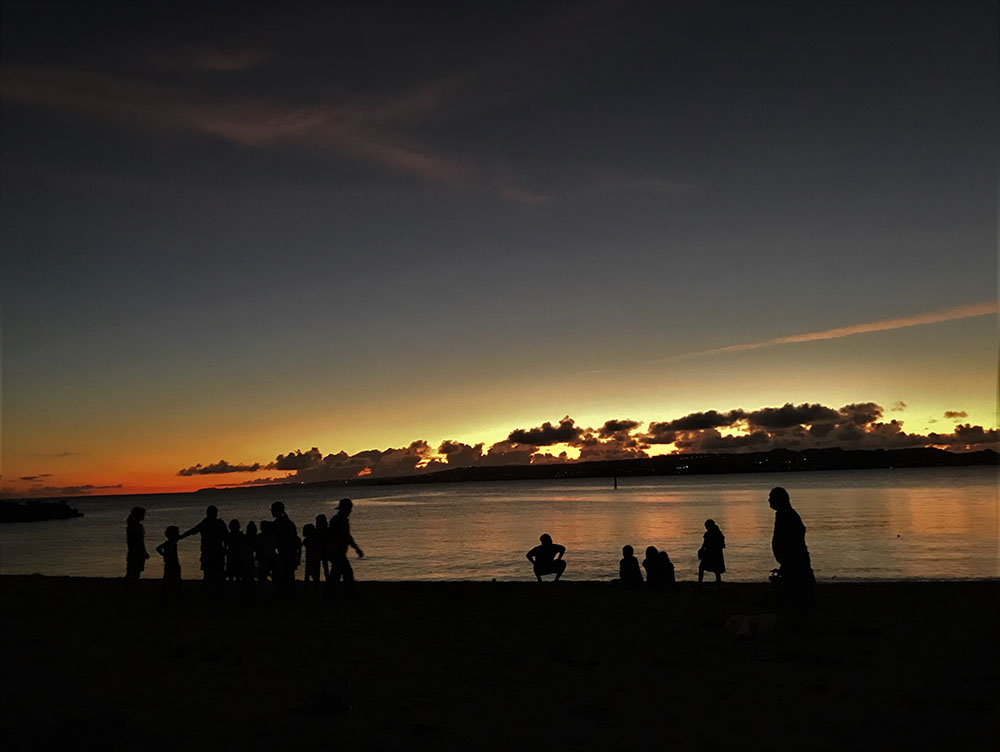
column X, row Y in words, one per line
column 496, row 666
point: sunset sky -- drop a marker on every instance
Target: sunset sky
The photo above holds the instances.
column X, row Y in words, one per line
column 421, row 227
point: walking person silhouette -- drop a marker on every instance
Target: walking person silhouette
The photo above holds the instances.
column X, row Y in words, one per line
column 710, row 554
column 340, row 538
column 794, row 574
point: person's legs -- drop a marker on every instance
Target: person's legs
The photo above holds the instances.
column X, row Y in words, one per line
column 338, row 567
column 350, row 585
column 560, row 567
column 701, row 574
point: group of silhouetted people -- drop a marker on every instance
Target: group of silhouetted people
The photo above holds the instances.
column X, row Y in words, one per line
column 272, row 552
column 659, row 569
column 275, row 551
column 793, row 578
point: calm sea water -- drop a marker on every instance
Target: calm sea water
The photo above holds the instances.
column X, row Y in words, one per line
column 862, row 524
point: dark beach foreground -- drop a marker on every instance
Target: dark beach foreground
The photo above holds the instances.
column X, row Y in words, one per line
column 497, row 666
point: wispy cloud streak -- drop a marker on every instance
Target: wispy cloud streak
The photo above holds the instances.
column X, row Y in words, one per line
column 883, row 325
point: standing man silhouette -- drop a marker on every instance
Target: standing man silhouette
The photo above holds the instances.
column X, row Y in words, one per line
column 213, row 533
column 789, row 546
column 339, row 537
column 287, row 546
column 135, row 543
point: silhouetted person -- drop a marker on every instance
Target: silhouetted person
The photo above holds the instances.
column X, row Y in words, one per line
column 547, row 558
column 323, row 533
column 659, row 569
column 788, row 543
column 266, row 555
column 628, row 569
column 213, row 545
column 667, row 570
column 171, row 563
column 710, row 554
column 313, row 545
column 340, row 539
column 135, row 542
column 248, row 573
column 287, row 546
column 235, row 551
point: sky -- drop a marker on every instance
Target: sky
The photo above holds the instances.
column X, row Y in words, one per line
column 299, row 242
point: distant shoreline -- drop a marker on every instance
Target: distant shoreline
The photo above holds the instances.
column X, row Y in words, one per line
column 673, row 465
column 669, row 465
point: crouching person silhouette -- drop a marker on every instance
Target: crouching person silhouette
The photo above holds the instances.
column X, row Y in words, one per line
column 547, row 558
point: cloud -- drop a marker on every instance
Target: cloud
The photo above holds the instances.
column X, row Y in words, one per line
column 35, row 477
column 617, row 428
column 219, row 468
column 967, row 436
column 297, row 460
column 49, row 491
column 805, row 426
column 312, row 466
column 615, row 449
column 791, row 415
column 547, row 434
column 695, row 421
column 368, row 129
column 660, row 433
column 509, row 453
column 922, row 319
column 955, row 414
column 458, row 454
column 710, row 440
column 858, row 425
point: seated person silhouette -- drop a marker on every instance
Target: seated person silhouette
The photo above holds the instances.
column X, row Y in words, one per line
column 547, row 558
column 629, row 573
column 659, row 569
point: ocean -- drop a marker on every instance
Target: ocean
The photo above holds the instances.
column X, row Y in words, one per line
column 922, row 523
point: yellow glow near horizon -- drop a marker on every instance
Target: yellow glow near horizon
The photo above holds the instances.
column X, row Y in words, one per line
column 932, row 369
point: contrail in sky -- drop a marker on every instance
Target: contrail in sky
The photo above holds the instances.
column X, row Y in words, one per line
column 962, row 312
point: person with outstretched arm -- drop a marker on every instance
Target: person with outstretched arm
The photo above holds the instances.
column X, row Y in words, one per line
column 340, row 538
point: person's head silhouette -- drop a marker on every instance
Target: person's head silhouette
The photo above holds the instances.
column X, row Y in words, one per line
column 344, row 506
column 546, row 539
column 650, row 552
column 709, row 524
column 173, row 532
column 211, row 511
column 778, row 498
column 137, row 513
column 278, row 509
column 627, row 551
column 234, row 526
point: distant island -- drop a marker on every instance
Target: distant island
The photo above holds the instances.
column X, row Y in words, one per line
column 36, row 511
column 775, row 460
